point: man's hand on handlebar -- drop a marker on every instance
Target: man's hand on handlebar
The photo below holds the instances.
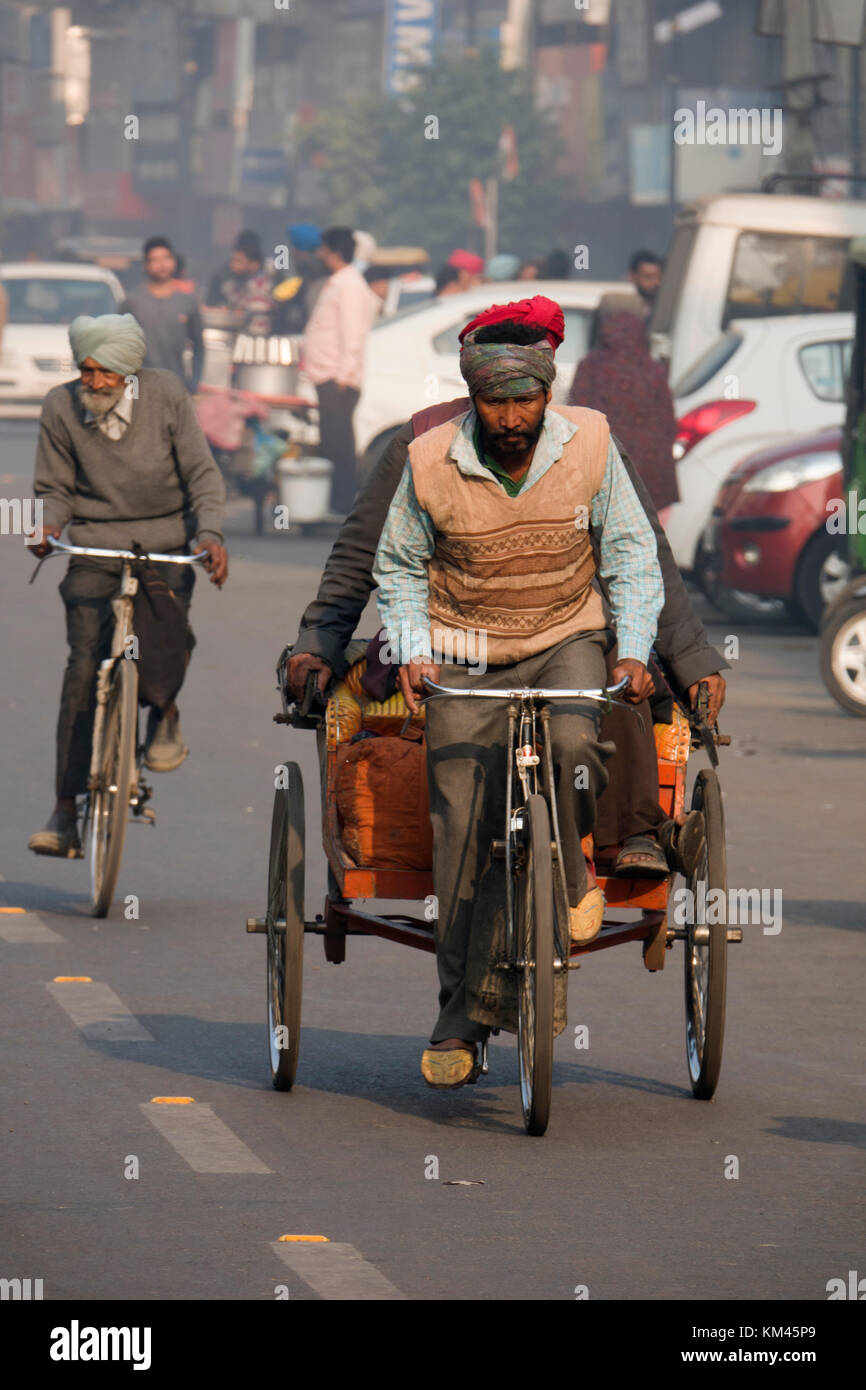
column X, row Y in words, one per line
column 411, row 680
column 40, row 549
column 299, row 667
column 716, row 691
column 640, row 682
column 217, row 562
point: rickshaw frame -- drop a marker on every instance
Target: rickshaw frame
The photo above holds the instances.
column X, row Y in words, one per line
column 349, row 882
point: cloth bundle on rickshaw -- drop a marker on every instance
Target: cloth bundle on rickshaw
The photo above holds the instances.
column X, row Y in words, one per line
column 383, row 802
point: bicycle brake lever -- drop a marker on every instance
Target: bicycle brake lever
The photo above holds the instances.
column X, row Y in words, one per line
column 42, row 560
column 313, row 703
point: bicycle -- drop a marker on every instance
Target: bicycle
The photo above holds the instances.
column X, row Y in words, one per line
column 537, row 938
column 115, row 783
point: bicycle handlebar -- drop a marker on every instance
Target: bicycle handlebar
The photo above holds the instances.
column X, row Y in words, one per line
column 61, row 547
column 539, row 694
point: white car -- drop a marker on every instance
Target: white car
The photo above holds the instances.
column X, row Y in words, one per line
column 412, row 359
column 44, row 297
column 750, row 256
column 761, row 382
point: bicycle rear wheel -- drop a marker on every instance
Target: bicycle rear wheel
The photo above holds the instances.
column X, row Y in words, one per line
column 285, row 928
column 533, row 909
column 109, row 798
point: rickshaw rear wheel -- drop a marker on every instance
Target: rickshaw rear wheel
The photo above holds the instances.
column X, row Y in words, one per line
column 706, row 945
column 533, row 907
column 285, row 926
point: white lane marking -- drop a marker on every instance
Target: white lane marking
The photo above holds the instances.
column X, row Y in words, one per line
column 99, row 1013
column 25, row 926
column 202, row 1139
column 337, row 1271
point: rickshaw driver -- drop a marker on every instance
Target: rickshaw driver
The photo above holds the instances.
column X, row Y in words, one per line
column 482, row 537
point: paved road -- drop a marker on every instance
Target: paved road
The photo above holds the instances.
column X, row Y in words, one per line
column 627, row 1193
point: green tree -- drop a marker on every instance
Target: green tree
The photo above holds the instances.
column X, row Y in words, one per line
column 382, row 172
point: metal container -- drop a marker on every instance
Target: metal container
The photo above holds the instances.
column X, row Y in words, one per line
column 268, row 366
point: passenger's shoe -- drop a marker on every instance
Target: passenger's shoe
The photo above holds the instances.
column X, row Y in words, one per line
column 164, row 748
column 446, row 1068
column 584, row 921
column 684, row 841
column 59, row 838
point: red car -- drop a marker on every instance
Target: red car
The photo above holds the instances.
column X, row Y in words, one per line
column 768, row 535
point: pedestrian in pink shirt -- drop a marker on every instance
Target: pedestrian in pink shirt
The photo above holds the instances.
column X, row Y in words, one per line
column 334, row 342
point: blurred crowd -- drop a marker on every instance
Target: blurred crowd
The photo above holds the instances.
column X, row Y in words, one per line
column 328, row 286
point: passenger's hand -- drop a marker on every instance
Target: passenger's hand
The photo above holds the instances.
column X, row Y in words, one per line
column 299, row 667
column 640, row 685
column 217, row 562
column 411, row 679
column 717, row 685
column 40, row 549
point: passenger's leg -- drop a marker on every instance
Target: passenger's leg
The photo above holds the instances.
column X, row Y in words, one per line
column 630, row 805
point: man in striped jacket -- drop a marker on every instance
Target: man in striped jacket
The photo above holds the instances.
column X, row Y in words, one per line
column 487, row 543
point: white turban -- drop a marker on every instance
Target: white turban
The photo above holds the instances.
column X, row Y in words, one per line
column 115, row 341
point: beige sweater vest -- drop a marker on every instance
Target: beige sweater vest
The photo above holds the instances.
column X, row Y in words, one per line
column 515, row 572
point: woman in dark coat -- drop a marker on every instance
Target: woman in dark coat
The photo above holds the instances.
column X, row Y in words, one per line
column 619, row 378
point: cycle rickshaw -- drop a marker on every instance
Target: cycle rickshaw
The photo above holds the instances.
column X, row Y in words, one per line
column 537, row 946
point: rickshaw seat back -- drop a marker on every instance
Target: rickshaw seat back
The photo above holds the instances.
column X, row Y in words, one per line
column 672, row 746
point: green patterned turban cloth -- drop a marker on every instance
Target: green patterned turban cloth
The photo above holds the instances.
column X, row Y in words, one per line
column 502, row 370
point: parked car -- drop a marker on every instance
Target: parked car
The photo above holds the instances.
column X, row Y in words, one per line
column 768, row 535
column 44, row 298
column 763, row 382
column 413, row 358
column 750, row 255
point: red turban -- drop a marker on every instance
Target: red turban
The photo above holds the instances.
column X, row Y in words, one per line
column 468, row 261
column 538, row 312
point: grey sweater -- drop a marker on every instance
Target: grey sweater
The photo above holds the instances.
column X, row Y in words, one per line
column 158, row 484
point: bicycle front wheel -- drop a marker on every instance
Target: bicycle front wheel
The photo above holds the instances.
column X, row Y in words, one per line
column 109, row 797
column 533, row 905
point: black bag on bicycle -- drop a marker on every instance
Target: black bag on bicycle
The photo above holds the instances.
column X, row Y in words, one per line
column 164, row 638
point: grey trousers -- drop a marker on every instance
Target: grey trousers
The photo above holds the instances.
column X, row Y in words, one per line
column 466, row 766
column 87, row 591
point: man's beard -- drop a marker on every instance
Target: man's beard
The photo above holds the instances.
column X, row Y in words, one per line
column 512, row 442
column 99, row 402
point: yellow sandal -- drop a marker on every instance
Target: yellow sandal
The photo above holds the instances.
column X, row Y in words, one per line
column 584, row 921
column 447, row 1070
